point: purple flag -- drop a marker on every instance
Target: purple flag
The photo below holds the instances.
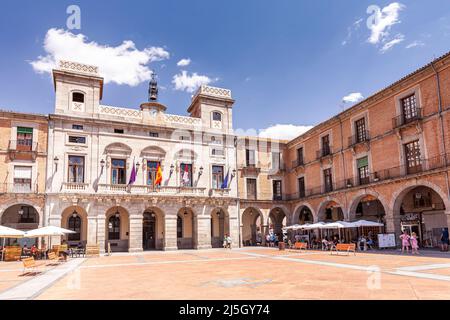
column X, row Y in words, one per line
column 133, row 174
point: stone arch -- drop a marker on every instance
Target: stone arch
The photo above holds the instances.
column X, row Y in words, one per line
column 297, row 210
column 250, row 227
column 220, row 226
column 153, row 228
column 360, row 195
column 395, row 204
column 277, row 219
column 122, row 243
column 424, row 218
column 186, row 241
column 69, row 212
column 321, row 211
column 4, row 207
column 186, row 154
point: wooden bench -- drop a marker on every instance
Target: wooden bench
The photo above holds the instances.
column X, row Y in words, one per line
column 344, row 247
column 93, row 250
column 29, row 264
column 12, row 253
column 53, row 257
column 300, row 245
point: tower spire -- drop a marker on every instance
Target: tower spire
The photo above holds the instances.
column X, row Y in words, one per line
column 153, row 88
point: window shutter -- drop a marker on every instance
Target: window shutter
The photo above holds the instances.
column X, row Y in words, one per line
column 363, row 162
column 24, row 130
column 22, row 172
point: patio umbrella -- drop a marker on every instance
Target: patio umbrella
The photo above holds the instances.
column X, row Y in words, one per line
column 366, row 223
column 6, row 232
column 47, row 231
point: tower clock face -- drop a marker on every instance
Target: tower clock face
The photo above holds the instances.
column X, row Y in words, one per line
column 153, row 113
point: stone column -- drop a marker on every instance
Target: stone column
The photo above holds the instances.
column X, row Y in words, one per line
column 101, row 232
column 135, row 234
column 54, row 220
column 170, row 233
column 92, row 229
column 233, row 226
column 264, row 233
column 202, row 236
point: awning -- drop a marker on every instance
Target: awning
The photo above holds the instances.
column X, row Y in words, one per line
column 47, row 231
column 6, row 232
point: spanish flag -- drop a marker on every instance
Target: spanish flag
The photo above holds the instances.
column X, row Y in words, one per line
column 158, row 178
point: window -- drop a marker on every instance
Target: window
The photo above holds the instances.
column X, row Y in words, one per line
column 412, row 156
column 78, row 97
column 276, row 163
column 217, row 116
column 120, row 131
column 250, row 158
column 74, row 224
column 185, row 138
column 363, row 170
column 251, row 188
column 328, row 179
column 76, row 169
column 77, row 127
column 28, row 215
column 114, row 228
column 186, row 174
column 326, row 145
column 300, row 156
column 179, row 227
column 217, row 177
column 409, row 108
column 153, row 134
column 277, row 192
column 360, row 127
column 22, row 179
column 301, row 187
column 151, row 171
column 75, row 139
column 24, row 138
column 118, row 171
column 217, row 152
column 422, row 200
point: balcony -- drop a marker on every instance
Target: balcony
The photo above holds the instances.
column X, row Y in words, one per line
column 251, row 169
column 151, row 190
column 359, row 138
column 298, row 163
column 22, row 149
column 324, row 152
column 74, row 187
column 403, row 120
column 20, row 188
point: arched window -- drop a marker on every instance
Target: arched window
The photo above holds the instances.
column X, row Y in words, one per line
column 114, row 228
column 74, row 225
column 78, row 97
column 217, row 116
column 179, row 227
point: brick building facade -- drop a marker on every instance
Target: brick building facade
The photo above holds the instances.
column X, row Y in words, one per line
column 385, row 159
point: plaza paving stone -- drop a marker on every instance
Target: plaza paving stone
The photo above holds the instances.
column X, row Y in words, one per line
column 263, row 273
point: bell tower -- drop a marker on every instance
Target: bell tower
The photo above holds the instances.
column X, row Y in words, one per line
column 153, row 88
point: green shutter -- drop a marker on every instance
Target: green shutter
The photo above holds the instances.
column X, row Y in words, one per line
column 363, row 162
column 24, row 130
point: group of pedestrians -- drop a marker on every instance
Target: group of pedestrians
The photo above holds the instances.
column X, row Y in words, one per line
column 409, row 241
column 272, row 239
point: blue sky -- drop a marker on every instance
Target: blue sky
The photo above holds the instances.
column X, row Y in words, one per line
column 287, row 62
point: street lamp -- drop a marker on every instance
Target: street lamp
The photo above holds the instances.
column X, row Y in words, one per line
column 200, row 171
column 137, row 166
column 55, row 160
column 74, row 213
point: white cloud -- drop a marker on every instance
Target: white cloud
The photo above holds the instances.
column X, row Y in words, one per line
column 189, row 83
column 184, row 62
column 416, row 43
column 352, row 97
column 123, row 64
column 352, row 29
column 382, row 20
column 388, row 45
column 283, row 131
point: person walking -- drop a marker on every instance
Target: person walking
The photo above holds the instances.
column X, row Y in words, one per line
column 414, row 243
column 444, row 239
column 268, row 240
column 405, row 241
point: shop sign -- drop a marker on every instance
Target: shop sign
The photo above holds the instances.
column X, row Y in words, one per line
column 410, row 217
